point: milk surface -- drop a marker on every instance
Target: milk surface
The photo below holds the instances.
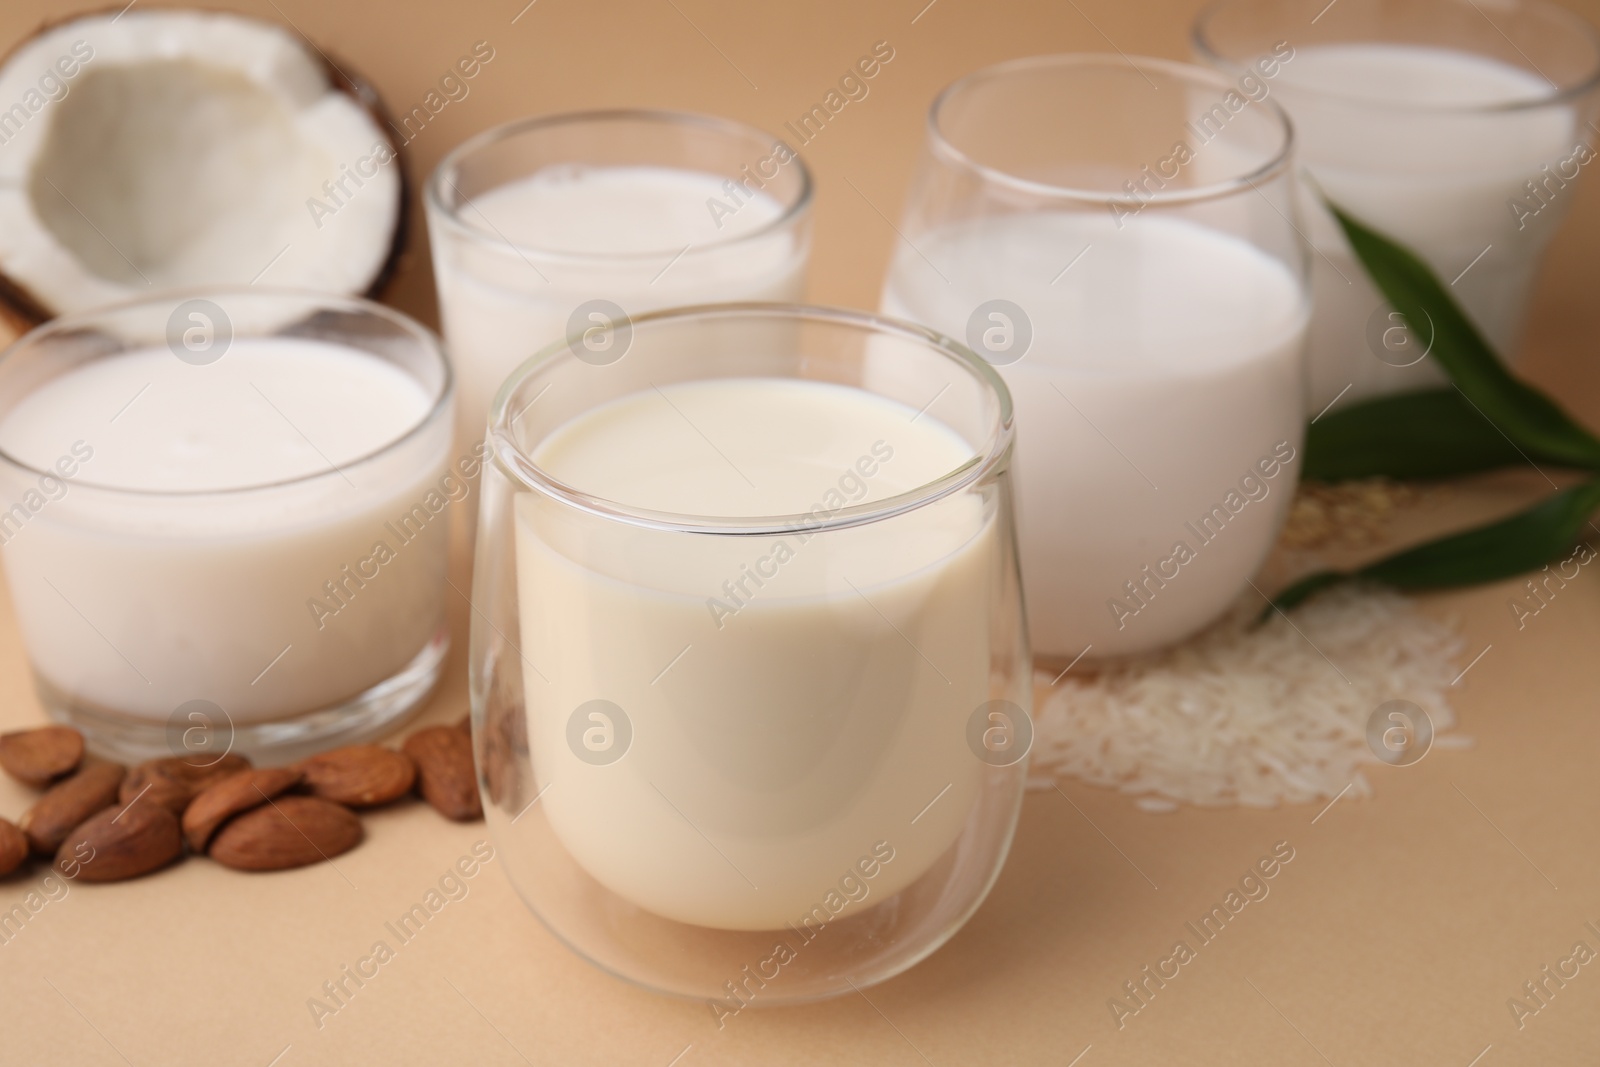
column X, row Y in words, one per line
column 268, row 411
column 1164, row 365
column 641, row 237
column 617, row 211
column 184, row 555
column 1412, row 75
column 796, row 699
column 1387, row 131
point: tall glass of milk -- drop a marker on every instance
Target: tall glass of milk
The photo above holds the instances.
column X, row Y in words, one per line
column 550, row 226
column 749, row 676
column 1457, row 128
column 1116, row 235
column 222, row 519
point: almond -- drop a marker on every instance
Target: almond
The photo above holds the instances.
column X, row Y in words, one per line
column 291, row 831
column 359, row 776
column 174, row 781
column 500, row 744
column 502, row 737
column 68, row 803
column 122, row 842
column 13, row 847
column 38, row 757
column 444, row 769
column 220, row 801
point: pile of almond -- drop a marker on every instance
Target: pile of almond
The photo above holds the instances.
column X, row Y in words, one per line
column 102, row 822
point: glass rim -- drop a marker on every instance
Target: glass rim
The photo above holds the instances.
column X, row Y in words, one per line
column 1556, row 97
column 513, row 461
column 941, row 145
column 434, row 198
column 441, row 405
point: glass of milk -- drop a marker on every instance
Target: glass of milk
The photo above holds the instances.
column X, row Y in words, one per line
column 1457, row 128
column 1116, row 236
column 222, row 519
column 550, row 226
column 749, row 672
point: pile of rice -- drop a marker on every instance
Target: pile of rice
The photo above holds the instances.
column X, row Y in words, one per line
column 1258, row 716
column 1353, row 514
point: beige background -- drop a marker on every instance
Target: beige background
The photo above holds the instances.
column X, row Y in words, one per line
column 1395, row 937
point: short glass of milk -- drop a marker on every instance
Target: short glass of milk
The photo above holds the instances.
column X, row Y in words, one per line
column 1455, row 127
column 749, row 673
column 222, row 519
column 552, row 225
column 1116, row 235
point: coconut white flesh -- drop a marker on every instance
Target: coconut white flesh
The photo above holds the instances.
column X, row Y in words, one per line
column 188, row 149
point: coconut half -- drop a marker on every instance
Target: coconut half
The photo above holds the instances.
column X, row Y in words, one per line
column 169, row 149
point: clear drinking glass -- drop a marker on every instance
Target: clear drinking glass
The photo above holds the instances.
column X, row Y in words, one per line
column 1455, row 127
column 221, row 519
column 1116, row 235
column 543, row 224
column 754, row 729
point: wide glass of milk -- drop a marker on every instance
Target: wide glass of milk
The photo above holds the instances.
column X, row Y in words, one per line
column 548, row 226
column 750, row 677
column 1116, row 235
column 222, row 519
column 1458, row 128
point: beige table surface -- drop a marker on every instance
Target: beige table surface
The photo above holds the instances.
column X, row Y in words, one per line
column 1395, row 937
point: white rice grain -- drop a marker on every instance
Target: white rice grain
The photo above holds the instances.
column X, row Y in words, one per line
column 1246, row 715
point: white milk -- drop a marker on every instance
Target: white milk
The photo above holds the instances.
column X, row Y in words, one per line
column 785, row 726
column 1382, row 130
column 167, row 570
column 640, row 237
column 1164, row 366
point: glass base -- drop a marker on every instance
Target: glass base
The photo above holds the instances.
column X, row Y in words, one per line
column 729, row 970
column 205, row 734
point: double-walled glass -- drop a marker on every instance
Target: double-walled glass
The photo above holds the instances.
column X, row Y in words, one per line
column 573, row 219
column 745, row 756
column 1455, row 127
column 1116, row 235
column 222, row 519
